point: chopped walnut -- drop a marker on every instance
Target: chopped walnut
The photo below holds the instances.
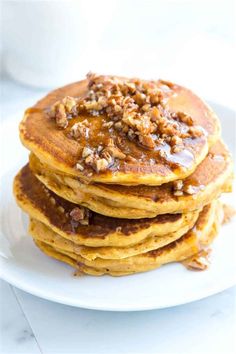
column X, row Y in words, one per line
column 147, row 141
column 108, row 124
column 80, row 214
column 178, row 193
column 118, row 126
column 185, row 118
column 146, row 107
column 189, row 189
column 162, row 154
column 79, row 167
column 175, row 140
column 195, row 132
column 101, row 164
column 115, row 152
column 89, row 160
column 80, row 129
column 178, row 185
column 107, row 156
column 177, row 188
column 86, row 152
column 64, row 110
column 155, row 114
column 61, row 118
column 176, row 149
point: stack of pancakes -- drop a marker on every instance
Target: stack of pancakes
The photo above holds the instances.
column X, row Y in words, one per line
column 124, row 175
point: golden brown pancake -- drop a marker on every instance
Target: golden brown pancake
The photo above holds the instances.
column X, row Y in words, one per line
column 52, row 146
column 212, row 177
column 189, row 244
column 42, row 204
column 152, row 242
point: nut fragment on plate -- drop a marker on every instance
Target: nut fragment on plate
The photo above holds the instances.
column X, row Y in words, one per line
column 199, row 261
column 229, row 213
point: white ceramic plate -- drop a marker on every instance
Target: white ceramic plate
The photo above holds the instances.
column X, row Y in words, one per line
column 30, row 270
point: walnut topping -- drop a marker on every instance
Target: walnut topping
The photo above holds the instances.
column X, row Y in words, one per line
column 80, row 129
column 135, row 108
column 101, row 164
column 185, row 118
column 115, row 152
column 100, row 159
column 80, row 215
column 64, row 110
column 86, row 152
column 79, row 167
column 189, row 189
column 147, row 141
column 177, row 186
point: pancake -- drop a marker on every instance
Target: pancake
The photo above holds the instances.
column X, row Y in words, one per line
column 45, row 206
column 212, row 177
column 151, row 161
column 42, row 234
column 189, row 244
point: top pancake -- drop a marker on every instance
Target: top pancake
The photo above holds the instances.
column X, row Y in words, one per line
column 52, row 145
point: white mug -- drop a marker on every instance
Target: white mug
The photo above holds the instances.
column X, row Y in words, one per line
column 50, row 43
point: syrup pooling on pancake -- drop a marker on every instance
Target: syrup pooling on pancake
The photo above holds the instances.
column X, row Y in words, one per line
column 160, row 131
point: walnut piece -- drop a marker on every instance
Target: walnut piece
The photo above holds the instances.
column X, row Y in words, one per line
column 178, row 185
column 189, row 189
column 101, row 164
column 79, row 167
column 80, row 129
column 80, row 214
column 115, row 152
column 63, row 110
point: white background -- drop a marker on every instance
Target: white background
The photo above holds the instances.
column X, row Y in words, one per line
column 191, row 42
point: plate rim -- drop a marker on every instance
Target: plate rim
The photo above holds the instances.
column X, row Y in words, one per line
column 82, row 304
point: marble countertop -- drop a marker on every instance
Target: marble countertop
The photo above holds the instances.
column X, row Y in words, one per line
column 31, row 325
